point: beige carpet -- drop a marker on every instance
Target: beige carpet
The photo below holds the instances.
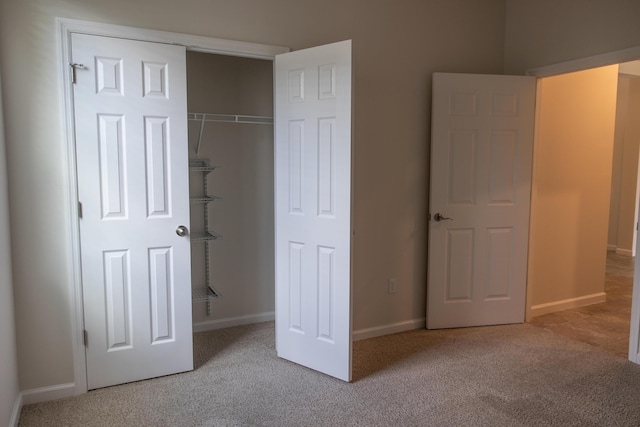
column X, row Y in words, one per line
column 516, row 375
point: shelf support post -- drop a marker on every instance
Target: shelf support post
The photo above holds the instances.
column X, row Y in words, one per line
column 200, row 134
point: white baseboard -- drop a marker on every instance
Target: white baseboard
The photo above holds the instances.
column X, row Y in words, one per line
column 359, row 334
column 229, row 322
column 15, row 413
column 624, row 252
column 552, row 307
column 43, row 394
column 393, row 328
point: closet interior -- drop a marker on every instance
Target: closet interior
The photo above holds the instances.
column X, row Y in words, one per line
column 230, row 103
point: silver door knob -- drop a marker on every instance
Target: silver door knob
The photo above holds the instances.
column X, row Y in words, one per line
column 438, row 217
column 182, row 231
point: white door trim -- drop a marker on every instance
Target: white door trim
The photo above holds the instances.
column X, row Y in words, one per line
column 595, row 61
column 601, row 60
column 66, row 27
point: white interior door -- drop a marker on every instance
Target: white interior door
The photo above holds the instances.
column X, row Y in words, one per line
column 313, row 207
column 131, row 147
column 481, row 159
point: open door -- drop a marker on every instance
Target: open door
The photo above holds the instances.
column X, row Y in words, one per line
column 481, row 161
column 132, row 170
column 313, row 208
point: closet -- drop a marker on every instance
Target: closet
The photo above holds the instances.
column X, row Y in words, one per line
column 230, row 104
column 230, row 190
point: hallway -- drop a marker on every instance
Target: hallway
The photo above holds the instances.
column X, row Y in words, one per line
column 604, row 325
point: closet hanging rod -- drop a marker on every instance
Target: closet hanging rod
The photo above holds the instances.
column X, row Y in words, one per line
column 229, row 118
column 232, row 118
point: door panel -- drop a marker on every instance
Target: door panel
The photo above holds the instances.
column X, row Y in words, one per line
column 313, row 208
column 481, row 159
column 131, row 147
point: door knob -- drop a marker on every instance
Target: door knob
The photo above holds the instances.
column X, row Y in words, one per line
column 438, row 217
column 181, row 231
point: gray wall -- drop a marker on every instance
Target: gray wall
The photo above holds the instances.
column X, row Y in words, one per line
column 397, row 46
column 545, row 32
column 9, row 391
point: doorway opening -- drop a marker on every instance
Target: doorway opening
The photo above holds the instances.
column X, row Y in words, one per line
column 230, row 104
column 310, row 179
column 584, row 205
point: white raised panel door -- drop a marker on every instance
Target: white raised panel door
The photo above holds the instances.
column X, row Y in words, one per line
column 481, row 159
column 313, row 208
column 132, row 166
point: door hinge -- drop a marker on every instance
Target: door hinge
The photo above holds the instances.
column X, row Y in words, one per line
column 85, row 338
column 79, row 210
column 73, row 66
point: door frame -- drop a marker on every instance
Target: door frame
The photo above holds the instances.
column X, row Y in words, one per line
column 65, row 28
column 595, row 61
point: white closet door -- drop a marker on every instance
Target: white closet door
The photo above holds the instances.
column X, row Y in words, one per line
column 131, row 145
column 313, row 208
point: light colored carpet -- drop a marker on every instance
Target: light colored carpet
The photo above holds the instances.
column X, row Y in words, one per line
column 516, row 375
